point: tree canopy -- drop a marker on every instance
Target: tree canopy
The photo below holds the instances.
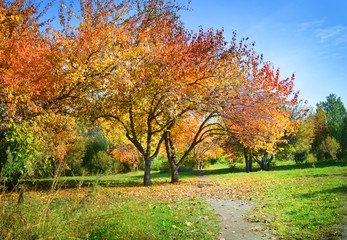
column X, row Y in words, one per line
column 134, row 65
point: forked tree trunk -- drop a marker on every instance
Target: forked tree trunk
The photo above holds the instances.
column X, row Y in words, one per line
column 265, row 162
column 173, row 167
column 171, row 157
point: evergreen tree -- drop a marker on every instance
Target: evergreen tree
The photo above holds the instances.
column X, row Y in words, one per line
column 335, row 115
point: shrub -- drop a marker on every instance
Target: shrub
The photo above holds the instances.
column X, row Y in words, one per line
column 330, row 147
column 311, row 158
column 160, row 163
column 300, row 157
column 221, row 159
column 120, row 167
column 238, row 159
column 101, row 163
column 95, row 145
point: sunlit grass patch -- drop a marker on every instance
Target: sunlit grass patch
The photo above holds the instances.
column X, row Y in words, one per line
column 296, row 201
column 106, row 213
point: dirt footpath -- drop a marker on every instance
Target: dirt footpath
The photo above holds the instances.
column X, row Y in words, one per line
column 233, row 221
column 232, row 215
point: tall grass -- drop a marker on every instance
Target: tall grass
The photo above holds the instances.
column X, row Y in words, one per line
column 100, row 212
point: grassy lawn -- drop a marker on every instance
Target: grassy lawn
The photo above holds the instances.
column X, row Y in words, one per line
column 294, row 201
column 297, row 201
column 106, row 213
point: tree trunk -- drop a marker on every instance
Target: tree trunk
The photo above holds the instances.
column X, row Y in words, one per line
column 174, row 173
column 262, row 165
column 147, row 175
column 265, row 162
column 249, row 165
column 248, row 161
column 55, row 168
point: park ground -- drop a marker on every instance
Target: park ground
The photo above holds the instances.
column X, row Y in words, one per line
column 291, row 201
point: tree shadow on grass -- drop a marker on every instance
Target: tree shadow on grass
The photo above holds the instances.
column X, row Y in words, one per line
column 226, row 170
column 90, row 181
column 46, row 184
column 322, row 164
column 326, row 175
column 336, row 190
column 287, row 167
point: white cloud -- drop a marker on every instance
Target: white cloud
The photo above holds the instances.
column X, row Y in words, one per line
column 334, row 33
column 310, row 25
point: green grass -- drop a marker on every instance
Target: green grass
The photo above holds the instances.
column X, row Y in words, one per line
column 299, row 201
column 101, row 213
column 294, row 201
column 183, row 220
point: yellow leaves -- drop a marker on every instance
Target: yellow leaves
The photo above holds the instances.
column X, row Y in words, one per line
column 175, row 227
column 189, row 224
column 16, row 18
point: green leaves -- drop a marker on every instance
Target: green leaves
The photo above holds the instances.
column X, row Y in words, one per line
column 35, row 143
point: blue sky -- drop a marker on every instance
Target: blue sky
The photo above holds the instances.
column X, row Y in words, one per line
column 305, row 37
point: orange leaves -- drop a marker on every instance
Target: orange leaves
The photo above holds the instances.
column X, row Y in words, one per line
column 259, row 115
column 25, row 63
column 138, row 65
column 127, row 153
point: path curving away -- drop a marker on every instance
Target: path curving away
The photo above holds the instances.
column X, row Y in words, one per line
column 234, row 224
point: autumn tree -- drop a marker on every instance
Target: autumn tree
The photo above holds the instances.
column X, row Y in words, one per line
column 127, row 153
column 298, row 146
column 208, row 149
column 330, row 147
column 134, row 64
column 162, row 80
column 25, row 61
column 26, row 65
column 259, row 116
column 220, row 94
column 45, row 71
column 41, row 146
column 320, row 131
column 199, row 131
column 302, row 143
